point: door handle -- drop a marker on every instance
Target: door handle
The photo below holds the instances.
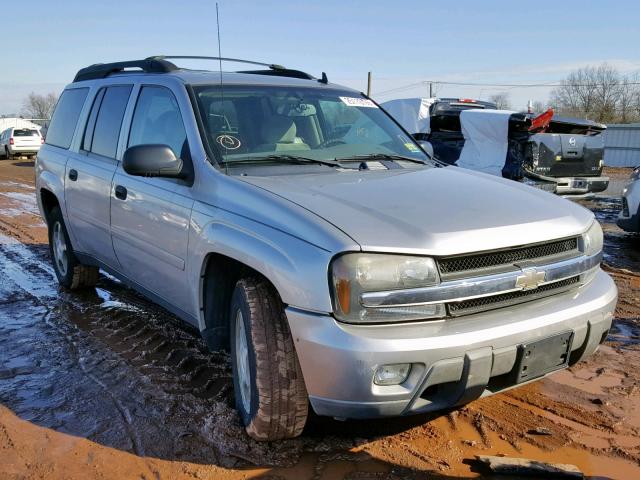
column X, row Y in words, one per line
column 73, row 175
column 121, row 192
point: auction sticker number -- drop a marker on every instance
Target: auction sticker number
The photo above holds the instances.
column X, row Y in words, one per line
column 358, row 102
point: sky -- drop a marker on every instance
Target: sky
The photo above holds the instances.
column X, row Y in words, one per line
column 402, row 42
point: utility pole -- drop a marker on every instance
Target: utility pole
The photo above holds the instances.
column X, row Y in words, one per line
column 369, row 84
column 430, row 89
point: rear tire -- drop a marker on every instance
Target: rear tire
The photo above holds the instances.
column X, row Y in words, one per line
column 69, row 271
column 270, row 394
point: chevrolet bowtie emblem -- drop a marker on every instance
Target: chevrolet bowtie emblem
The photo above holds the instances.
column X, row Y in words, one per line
column 530, row 279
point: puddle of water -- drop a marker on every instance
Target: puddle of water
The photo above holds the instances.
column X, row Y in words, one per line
column 20, row 266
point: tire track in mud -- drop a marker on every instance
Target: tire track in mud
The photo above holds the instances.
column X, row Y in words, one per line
column 114, row 368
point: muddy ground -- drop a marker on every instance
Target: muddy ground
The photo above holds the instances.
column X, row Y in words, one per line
column 104, row 384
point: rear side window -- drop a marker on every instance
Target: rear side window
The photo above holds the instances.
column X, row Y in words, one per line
column 103, row 130
column 65, row 117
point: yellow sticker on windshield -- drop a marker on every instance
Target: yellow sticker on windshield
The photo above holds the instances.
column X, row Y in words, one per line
column 411, row 147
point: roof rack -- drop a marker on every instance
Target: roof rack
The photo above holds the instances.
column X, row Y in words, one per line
column 272, row 66
column 285, row 72
column 103, row 70
column 160, row 64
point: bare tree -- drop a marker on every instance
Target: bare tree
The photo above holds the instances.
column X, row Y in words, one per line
column 628, row 105
column 539, row 106
column 501, row 100
column 598, row 93
column 39, row 106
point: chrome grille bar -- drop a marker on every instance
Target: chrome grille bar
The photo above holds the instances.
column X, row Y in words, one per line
column 481, row 286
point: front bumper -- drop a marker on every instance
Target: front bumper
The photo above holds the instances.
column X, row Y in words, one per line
column 453, row 361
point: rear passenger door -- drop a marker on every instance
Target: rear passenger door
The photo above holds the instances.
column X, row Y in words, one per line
column 90, row 172
column 150, row 216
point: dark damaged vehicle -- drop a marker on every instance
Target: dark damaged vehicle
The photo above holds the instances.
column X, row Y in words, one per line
column 564, row 155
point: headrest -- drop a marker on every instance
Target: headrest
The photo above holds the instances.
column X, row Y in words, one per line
column 278, row 129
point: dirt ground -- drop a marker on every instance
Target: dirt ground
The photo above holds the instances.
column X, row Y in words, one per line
column 104, row 384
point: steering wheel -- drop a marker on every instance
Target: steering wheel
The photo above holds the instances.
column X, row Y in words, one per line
column 331, row 142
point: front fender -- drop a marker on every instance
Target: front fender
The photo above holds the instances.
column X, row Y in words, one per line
column 297, row 269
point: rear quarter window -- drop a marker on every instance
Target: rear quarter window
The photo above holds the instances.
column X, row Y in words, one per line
column 65, row 117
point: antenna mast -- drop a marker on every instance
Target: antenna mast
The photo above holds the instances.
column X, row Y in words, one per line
column 223, row 144
column 219, row 46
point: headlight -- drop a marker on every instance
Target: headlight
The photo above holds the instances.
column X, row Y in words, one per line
column 356, row 273
column 593, row 240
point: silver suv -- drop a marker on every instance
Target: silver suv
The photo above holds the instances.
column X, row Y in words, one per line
column 297, row 225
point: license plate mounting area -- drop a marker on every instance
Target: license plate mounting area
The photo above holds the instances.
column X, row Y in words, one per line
column 538, row 358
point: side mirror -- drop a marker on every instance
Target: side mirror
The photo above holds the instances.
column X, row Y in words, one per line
column 426, row 146
column 152, row 161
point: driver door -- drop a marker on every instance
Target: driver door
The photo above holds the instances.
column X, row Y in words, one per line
column 150, row 216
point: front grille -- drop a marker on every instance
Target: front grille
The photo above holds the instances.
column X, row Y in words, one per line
column 453, row 266
column 475, row 305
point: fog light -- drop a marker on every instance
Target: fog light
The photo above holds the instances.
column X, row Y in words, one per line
column 392, row 374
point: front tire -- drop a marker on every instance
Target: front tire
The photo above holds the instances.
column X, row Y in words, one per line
column 270, row 394
column 69, row 271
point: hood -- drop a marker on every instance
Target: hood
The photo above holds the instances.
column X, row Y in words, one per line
column 431, row 211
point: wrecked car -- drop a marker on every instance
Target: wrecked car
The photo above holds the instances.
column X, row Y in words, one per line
column 629, row 216
column 563, row 155
column 295, row 224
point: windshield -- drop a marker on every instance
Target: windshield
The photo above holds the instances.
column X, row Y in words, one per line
column 262, row 122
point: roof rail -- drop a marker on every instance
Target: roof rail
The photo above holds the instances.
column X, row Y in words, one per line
column 103, row 70
column 160, row 64
column 284, row 72
column 272, row 66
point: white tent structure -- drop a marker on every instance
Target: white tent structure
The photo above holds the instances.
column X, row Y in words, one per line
column 411, row 113
column 17, row 123
column 486, row 140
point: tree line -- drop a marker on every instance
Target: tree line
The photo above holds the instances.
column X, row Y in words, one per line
column 599, row 93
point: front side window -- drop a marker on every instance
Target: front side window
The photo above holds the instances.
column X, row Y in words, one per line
column 65, row 117
column 321, row 124
column 157, row 120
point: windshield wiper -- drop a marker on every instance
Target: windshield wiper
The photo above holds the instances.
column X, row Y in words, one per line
column 282, row 159
column 381, row 156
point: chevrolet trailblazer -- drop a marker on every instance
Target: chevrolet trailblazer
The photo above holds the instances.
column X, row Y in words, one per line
column 297, row 225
